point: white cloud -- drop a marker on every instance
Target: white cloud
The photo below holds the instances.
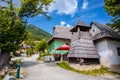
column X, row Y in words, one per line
column 68, row 25
column 85, row 4
column 67, row 7
column 62, row 23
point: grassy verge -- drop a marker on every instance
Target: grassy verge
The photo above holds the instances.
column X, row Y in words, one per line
column 12, row 72
column 1, row 77
column 95, row 72
column 13, row 69
column 22, row 73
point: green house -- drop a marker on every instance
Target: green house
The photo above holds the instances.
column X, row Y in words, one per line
column 60, row 36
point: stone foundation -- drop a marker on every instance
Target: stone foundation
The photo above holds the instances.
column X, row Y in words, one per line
column 85, row 67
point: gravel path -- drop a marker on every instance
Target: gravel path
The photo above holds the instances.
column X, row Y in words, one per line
column 49, row 71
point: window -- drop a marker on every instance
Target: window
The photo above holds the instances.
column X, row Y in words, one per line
column 118, row 49
column 93, row 30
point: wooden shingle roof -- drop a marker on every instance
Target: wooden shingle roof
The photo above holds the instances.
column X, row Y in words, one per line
column 81, row 25
column 106, row 32
column 83, row 47
column 61, row 33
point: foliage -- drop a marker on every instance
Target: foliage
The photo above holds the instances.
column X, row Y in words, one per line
column 30, row 43
column 30, row 8
column 41, row 46
column 11, row 34
column 29, row 52
column 42, row 56
column 95, row 72
column 30, row 46
column 15, row 62
column 13, row 24
column 65, row 66
column 12, row 28
column 44, row 53
column 112, row 7
column 1, row 77
column 36, row 33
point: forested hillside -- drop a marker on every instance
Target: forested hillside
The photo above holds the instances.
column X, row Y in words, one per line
column 37, row 33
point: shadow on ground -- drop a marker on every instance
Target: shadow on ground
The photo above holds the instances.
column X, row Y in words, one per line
column 29, row 63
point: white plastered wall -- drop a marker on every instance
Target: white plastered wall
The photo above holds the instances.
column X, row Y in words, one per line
column 113, row 57
column 102, row 49
column 107, row 49
column 94, row 30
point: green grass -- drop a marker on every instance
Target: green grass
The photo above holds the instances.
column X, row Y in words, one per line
column 17, row 61
column 1, row 77
column 94, row 72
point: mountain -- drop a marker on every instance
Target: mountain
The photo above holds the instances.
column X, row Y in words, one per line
column 37, row 33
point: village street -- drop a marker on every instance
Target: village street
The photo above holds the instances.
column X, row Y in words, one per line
column 60, row 39
column 49, row 71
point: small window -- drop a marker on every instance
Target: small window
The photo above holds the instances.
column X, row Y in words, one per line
column 118, row 49
column 93, row 30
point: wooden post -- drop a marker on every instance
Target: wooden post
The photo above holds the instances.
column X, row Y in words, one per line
column 61, row 58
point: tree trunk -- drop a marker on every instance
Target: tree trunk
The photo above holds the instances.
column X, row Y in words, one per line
column 4, row 59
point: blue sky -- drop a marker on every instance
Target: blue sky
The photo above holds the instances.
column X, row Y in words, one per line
column 65, row 13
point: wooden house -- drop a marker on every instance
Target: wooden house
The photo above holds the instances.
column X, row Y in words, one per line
column 82, row 45
column 107, row 43
column 60, row 36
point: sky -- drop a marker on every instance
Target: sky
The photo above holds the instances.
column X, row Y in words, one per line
column 65, row 13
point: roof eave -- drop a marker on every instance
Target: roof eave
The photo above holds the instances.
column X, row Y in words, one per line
column 57, row 38
column 106, row 37
column 74, row 29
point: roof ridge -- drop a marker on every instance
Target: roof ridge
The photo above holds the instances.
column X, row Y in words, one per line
column 106, row 31
column 81, row 23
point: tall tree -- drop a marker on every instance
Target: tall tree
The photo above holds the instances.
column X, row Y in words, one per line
column 12, row 27
column 112, row 7
column 41, row 47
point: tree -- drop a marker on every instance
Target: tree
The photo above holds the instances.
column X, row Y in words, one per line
column 12, row 27
column 31, row 43
column 112, row 7
column 41, row 47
